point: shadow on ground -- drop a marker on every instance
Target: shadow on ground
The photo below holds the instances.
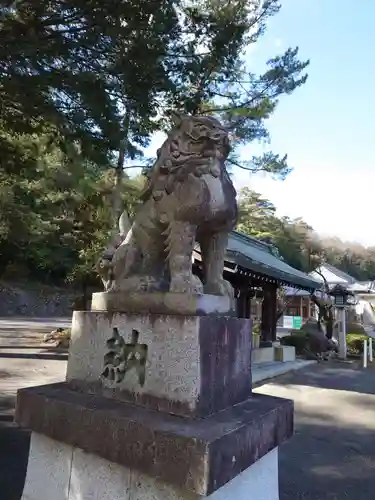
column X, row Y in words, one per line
column 14, row 451
column 323, row 462
column 6, row 374
column 333, row 375
column 332, row 453
column 52, row 355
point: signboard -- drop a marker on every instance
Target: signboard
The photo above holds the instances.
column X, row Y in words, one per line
column 288, row 322
column 297, row 322
column 292, row 322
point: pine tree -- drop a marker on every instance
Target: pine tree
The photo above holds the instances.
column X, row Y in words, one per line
column 217, row 80
column 108, row 74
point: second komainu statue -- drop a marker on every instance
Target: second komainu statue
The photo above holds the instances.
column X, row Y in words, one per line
column 189, row 198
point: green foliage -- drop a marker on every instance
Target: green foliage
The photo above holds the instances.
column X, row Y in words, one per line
column 218, row 80
column 297, row 242
column 55, row 215
column 109, row 74
column 84, row 85
column 298, row 339
column 294, row 239
column 82, row 67
column 257, row 216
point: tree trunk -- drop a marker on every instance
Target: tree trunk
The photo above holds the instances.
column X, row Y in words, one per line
column 326, row 315
column 283, row 305
column 119, row 175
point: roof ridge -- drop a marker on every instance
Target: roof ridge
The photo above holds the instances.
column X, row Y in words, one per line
column 338, row 272
column 252, row 239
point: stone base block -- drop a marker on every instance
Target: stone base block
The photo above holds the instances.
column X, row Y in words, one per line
column 163, row 303
column 62, row 472
column 263, row 355
column 185, row 365
column 285, row 353
column 192, row 455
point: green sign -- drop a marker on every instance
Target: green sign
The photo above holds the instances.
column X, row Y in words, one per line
column 297, row 322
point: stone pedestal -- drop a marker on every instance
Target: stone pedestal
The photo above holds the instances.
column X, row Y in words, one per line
column 155, row 406
column 285, row 353
column 61, row 472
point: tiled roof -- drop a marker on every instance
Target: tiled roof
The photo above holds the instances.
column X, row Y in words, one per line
column 252, row 254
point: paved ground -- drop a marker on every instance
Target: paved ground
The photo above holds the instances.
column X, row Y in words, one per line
column 264, row 371
column 331, row 456
column 22, row 363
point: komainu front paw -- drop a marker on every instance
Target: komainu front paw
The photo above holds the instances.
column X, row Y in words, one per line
column 219, row 287
column 183, row 284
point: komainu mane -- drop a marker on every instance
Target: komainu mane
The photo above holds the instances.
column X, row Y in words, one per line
column 188, row 198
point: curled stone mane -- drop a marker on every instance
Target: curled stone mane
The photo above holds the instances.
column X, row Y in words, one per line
column 192, row 147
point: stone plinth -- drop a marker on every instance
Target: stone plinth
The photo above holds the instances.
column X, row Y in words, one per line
column 194, row 366
column 163, row 303
column 61, row 472
column 196, row 455
column 285, row 353
column 263, row 355
column 156, row 407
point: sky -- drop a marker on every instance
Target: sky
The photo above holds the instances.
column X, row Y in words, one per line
column 327, row 126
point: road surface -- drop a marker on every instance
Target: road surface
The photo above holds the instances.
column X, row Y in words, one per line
column 332, row 454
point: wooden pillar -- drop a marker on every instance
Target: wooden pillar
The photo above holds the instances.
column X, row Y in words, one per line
column 248, row 305
column 238, row 302
column 243, row 305
column 301, row 307
column 269, row 314
column 309, row 307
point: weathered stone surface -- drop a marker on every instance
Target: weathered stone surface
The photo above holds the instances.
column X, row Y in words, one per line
column 91, row 477
column 197, row 455
column 163, row 303
column 48, row 470
column 194, row 366
column 188, row 198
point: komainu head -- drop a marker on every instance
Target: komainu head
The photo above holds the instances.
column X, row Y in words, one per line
column 194, row 139
column 196, row 145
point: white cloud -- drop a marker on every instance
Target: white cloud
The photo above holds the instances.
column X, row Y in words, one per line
column 333, row 202
column 278, row 42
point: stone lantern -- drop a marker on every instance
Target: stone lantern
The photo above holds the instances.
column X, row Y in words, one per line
column 342, row 297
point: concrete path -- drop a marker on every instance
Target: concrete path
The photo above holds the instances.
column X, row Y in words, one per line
column 28, row 332
column 23, row 362
column 264, row 371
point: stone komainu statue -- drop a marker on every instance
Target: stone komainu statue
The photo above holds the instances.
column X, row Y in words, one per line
column 188, row 198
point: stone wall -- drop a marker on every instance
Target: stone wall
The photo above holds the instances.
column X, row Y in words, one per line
column 36, row 300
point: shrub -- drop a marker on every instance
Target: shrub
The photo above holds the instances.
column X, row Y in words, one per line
column 355, row 328
column 256, row 328
column 354, row 343
column 299, row 340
